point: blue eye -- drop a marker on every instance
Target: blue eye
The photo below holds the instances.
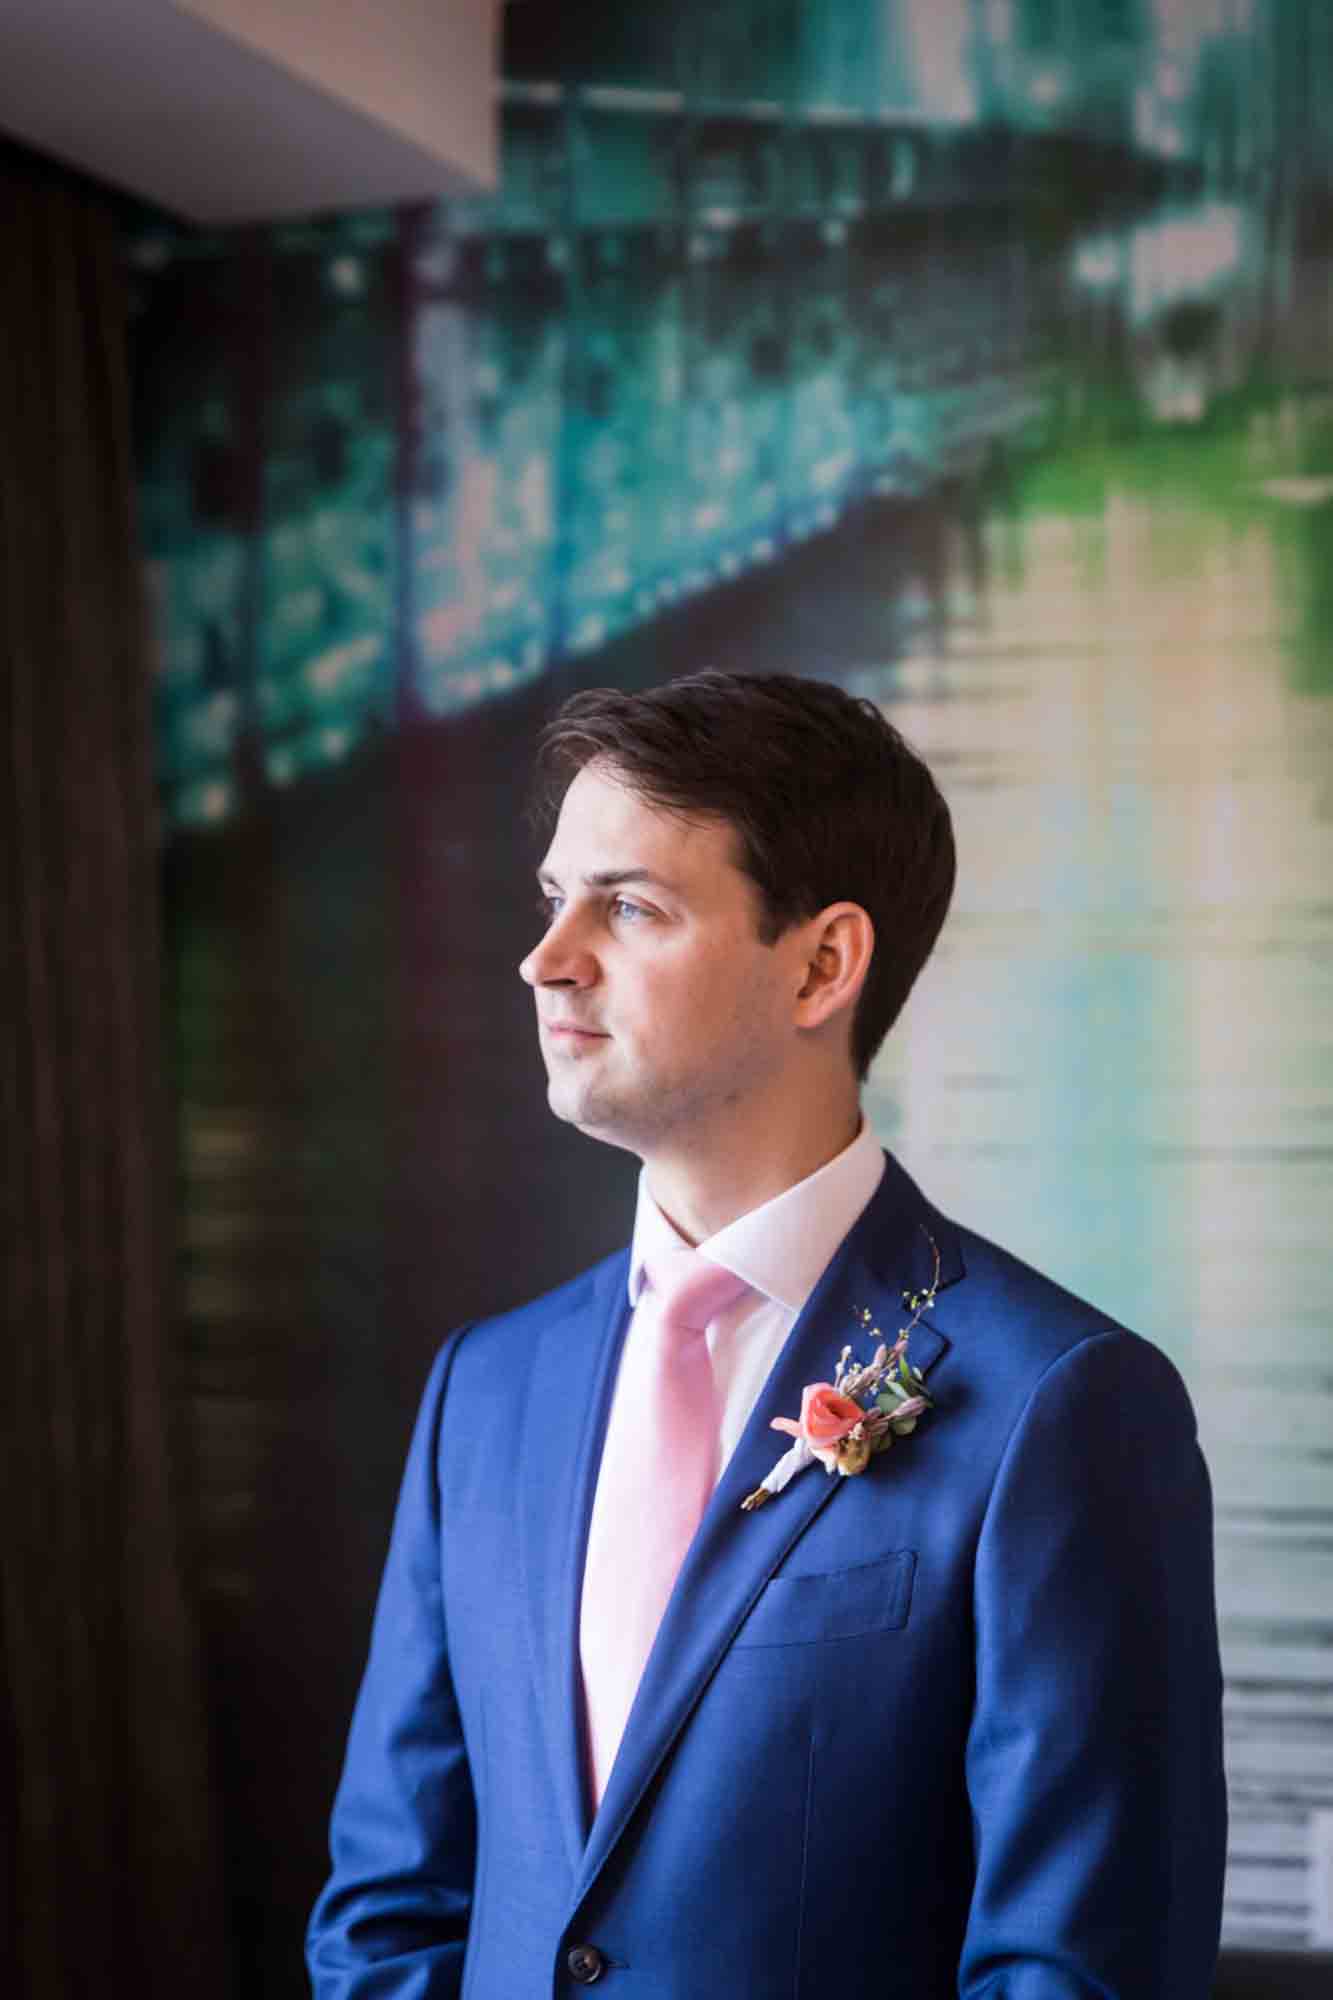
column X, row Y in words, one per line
column 624, row 908
column 549, row 907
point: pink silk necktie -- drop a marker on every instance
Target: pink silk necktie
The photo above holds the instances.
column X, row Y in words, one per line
column 659, row 1467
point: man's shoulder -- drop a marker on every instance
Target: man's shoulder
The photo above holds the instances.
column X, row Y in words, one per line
column 997, row 1276
column 1014, row 1318
column 580, row 1302
column 987, row 1289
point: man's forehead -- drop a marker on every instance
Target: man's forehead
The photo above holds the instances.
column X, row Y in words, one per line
column 605, row 825
column 603, row 809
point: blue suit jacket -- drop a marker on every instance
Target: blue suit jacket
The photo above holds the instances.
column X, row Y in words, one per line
column 950, row 1726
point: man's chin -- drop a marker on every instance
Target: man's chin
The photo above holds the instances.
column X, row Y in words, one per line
column 566, row 1100
column 591, row 1114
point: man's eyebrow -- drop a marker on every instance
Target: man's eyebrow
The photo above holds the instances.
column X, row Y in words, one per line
column 613, row 878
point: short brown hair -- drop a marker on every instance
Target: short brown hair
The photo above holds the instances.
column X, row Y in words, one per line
column 828, row 803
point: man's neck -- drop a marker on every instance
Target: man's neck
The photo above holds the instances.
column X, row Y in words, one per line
column 701, row 1192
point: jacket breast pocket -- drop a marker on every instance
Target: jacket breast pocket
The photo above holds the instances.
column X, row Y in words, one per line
column 838, row 1604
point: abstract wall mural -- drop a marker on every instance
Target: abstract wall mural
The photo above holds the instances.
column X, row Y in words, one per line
column 975, row 354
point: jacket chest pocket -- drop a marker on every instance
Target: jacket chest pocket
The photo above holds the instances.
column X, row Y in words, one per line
column 836, row 1604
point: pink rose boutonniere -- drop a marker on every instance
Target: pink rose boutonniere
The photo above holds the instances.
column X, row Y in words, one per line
column 846, row 1422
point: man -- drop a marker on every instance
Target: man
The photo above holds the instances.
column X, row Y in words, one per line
column 659, row 1697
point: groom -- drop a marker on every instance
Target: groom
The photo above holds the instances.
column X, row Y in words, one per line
column 918, row 1696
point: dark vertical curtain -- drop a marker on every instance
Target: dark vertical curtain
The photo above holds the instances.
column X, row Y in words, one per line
column 108, row 1846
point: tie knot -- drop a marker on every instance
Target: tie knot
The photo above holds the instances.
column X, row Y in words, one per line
column 693, row 1290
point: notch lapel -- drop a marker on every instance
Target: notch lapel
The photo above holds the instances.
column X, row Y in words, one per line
column 886, row 1254
column 573, row 1374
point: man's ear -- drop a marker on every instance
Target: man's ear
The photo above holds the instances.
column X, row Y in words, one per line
column 838, row 946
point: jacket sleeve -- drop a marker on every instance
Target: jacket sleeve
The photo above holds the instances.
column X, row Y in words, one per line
column 392, row 1919
column 1094, row 1762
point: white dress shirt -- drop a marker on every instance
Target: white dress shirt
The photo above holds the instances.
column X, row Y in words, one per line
column 780, row 1248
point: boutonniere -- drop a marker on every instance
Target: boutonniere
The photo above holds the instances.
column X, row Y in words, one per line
column 846, row 1422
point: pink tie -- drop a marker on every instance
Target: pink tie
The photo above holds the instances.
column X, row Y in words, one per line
column 659, row 1467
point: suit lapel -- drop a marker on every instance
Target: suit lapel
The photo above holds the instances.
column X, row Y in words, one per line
column 574, row 1371
column 887, row 1253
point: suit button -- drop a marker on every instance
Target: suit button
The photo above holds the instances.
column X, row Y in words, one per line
column 585, row 1964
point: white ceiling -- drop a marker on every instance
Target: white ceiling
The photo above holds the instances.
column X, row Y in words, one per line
column 226, row 111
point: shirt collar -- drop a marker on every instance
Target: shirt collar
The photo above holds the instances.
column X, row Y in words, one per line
column 783, row 1246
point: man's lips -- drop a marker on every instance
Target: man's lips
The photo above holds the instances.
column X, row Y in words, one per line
column 574, row 1031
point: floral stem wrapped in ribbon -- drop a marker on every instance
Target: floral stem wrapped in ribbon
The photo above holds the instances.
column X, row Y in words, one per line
column 846, row 1422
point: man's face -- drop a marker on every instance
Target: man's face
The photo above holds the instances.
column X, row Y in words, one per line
column 661, row 1013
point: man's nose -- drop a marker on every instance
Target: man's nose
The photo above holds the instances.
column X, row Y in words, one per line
column 559, row 958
